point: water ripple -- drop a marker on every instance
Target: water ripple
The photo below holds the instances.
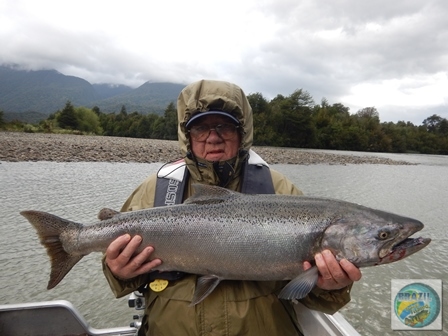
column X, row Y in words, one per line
column 77, row 191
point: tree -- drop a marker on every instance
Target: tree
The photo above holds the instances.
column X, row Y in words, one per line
column 436, row 124
column 258, row 103
column 443, row 127
column 295, row 125
column 158, row 128
column 368, row 122
column 368, row 113
column 170, row 122
column 2, row 120
column 329, row 122
column 144, row 129
column 264, row 133
column 88, row 120
column 107, row 123
column 67, row 118
column 122, row 115
column 97, row 110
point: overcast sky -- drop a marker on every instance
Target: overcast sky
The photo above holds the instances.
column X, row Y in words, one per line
column 390, row 54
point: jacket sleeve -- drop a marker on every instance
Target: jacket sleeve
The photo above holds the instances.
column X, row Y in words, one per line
column 141, row 198
column 328, row 302
column 318, row 299
column 282, row 185
column 121, row 287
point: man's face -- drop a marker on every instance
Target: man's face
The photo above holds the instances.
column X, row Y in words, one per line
column 214, row 147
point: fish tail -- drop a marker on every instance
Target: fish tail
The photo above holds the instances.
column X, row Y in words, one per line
column 50, row 228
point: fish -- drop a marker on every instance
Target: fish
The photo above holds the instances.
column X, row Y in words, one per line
column 419, row 317
column 220, row 234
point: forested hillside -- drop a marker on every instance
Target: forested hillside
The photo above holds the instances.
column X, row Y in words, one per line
column 32, row 96
column 292, row 121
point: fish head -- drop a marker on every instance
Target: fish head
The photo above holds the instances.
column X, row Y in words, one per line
column 372, row 237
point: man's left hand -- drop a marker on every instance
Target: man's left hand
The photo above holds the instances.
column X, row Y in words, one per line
column 334, row 275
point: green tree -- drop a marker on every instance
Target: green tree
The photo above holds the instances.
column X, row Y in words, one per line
column 67, row 117
column 2, row 120
column 368, row 122
column 294, row 122
column 264, row 133
column 97, row 110
column 258, row 103
column 369, row 113
column 443, row 127
column 427, row 141
column 144, row 129
column 170, row 122
column 88, row 120
column 158, row 128
column 107, row 123
column 397, row 136
column 330, row 122
column 432, row 123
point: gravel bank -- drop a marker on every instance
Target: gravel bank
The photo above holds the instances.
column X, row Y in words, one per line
column 16, row 147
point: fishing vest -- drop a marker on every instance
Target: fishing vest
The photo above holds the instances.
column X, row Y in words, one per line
column 171, row 180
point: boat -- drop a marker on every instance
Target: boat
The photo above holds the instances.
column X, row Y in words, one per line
column 60, row 317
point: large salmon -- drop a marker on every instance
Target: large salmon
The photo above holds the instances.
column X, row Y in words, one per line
column 221, row 234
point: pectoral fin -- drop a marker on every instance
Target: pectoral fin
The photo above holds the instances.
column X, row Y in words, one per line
column 300, row 286
column 204, row 286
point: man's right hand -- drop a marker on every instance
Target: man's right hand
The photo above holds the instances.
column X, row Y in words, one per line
column 124, row 263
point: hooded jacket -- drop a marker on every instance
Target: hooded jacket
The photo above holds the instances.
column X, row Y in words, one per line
column 234, row 307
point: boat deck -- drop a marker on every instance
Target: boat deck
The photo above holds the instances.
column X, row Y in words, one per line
column 62, row 318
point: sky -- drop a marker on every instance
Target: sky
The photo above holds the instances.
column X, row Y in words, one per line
column 391, row 55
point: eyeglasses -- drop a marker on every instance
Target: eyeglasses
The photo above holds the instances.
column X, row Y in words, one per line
column 201, row 132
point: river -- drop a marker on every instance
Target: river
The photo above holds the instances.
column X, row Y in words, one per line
column 77, row 191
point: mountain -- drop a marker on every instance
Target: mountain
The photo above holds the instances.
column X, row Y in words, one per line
column 147, row 98
column 110, row 90
column 43, row 91
column 33, row 95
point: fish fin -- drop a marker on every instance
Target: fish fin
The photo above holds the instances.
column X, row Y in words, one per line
column 50, row 228
column 61, row 264
column 300, row 286
column 106, row 213
column 207, row 194
column 204, row 286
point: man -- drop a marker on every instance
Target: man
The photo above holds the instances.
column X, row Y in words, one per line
column 215, row 135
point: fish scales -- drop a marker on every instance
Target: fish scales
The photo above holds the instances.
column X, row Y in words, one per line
column 218, row 235
column 224, row 235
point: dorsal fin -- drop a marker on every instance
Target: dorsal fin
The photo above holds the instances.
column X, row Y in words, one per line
column 107, row 213
column 206, row 194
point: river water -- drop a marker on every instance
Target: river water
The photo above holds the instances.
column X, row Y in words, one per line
column 77, row 191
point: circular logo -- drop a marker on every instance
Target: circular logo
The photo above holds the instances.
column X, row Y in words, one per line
column 417, row 305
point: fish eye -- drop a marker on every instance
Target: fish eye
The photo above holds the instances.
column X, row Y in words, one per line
column 383, row 235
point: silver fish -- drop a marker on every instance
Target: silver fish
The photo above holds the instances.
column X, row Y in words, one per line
column 221, row 234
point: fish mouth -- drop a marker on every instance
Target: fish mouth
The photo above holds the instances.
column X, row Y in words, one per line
column 411, row 242
column 403, row 243
column 403, row 249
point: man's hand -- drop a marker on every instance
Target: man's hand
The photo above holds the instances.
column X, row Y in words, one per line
column 333, row 274
column 122, row 260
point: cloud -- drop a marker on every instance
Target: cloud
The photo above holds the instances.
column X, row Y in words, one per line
column 387, row 54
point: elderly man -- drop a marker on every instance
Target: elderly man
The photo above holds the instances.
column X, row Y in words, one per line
column 215, row 135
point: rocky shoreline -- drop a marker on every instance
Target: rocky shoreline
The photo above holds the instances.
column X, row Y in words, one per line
column 18, row 146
